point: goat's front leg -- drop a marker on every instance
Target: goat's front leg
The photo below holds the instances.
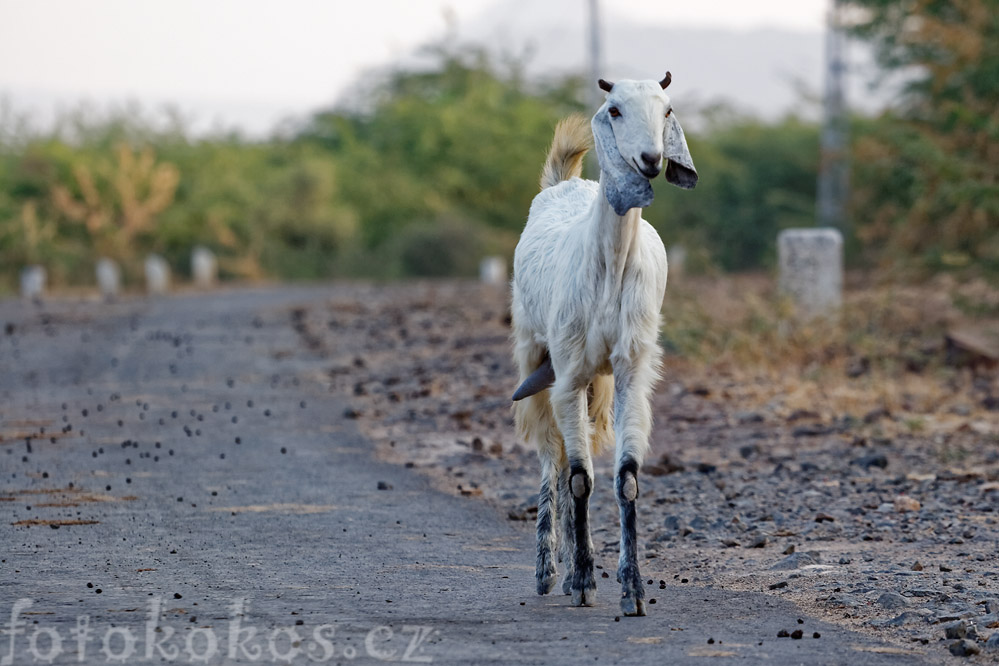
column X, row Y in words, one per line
column 569, row 404
column 632, row 423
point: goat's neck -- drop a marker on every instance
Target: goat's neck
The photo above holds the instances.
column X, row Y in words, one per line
column 613, row 239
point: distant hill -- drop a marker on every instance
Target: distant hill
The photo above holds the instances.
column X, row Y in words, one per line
column 767, row 72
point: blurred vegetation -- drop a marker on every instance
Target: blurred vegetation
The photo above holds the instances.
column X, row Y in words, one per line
column 926, row 175
column 427, row 171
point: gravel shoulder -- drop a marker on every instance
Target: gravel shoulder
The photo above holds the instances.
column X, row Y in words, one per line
column 178, row 470
column 853, row 517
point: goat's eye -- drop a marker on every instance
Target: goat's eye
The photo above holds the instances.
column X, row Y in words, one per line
column 613, row 111
column 669, row 112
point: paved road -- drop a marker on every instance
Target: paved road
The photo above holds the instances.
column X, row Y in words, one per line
column 177, row 484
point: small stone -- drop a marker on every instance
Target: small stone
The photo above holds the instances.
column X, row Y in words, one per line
column 796, row 561
column 797, row 634
column 876, row 415
column 917, row 566
column 382, row 485
column 760, row 542
column 675, row 524
column 824, row 518
column 904, row 504
column 892, row 600
column 783, row 633
column 871, row 460
column 955, row 630
column 992, row 645
column 964, row 648
column 906, row 617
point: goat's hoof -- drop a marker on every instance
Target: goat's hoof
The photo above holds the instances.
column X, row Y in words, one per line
column 584, row 597
column 546, row 583
column 567, row 583
column 630, row 606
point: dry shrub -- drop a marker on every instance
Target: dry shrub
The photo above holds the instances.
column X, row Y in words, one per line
column 885, row 349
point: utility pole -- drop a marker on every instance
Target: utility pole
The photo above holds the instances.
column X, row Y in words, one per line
column 833, row 185
column 593, row 95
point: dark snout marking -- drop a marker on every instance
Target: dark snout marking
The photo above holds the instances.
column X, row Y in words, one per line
column 537, row 381
column 652, row 159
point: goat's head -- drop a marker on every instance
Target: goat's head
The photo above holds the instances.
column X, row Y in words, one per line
column 635, row 130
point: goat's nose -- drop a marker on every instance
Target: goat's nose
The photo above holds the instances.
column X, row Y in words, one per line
column 652, row 159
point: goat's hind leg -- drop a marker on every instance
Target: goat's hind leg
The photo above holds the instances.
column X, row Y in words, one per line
column 536, row 425
column 545, row 572
column 567, row 527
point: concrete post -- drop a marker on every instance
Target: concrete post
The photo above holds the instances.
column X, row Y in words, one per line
column 811, row 270
column 33, row 283
column 157, row 274
column 204, row 267
column 676, row 256
column 108, row 278
column 492, row 270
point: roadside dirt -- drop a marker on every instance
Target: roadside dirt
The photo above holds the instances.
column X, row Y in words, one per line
column 880, row 515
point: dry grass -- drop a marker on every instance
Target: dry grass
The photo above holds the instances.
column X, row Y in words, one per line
column 885, row 350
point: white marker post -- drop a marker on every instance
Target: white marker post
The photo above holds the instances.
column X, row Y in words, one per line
column 676, row 257
column 492, row 270
column 157, row 274
column 811, row 270
column 108, row 278
column 33, row 283
column 204, row 267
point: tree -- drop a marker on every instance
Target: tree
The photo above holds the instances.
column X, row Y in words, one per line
column 927, row 172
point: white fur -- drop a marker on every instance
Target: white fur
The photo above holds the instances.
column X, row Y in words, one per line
column 589, row 280
column 589, row 283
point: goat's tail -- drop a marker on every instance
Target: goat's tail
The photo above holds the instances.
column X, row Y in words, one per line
column 573, row 138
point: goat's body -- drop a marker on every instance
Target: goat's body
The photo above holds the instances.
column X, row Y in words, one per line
column 587, row 290
column 587, row 282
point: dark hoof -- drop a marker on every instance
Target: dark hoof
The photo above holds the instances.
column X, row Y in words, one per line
column 585, row 597
column 546, row 583
column 631, row 606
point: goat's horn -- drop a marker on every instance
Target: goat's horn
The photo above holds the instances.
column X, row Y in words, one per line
column 665, row 82
column 605, row 85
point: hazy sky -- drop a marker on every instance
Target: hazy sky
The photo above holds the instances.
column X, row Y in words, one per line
column 250, row 62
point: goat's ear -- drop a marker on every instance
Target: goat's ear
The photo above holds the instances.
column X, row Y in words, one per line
column 626, row 189
column 680, row 169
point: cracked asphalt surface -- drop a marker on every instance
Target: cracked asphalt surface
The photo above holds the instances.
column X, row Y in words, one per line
column 179, row 481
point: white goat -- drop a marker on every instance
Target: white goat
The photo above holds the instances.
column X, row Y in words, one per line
column 589, row 280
